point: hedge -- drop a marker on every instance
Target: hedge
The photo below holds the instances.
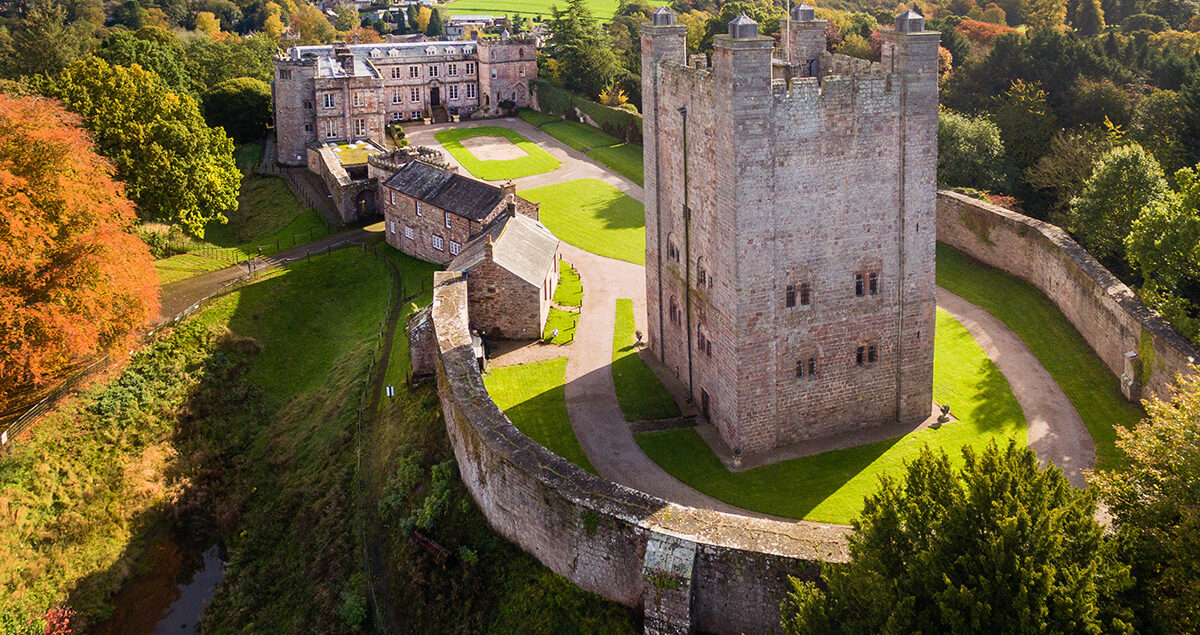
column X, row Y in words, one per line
column 615, row 121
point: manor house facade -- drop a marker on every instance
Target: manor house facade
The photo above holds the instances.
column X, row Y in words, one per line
column 790, row 216
column 349, row 92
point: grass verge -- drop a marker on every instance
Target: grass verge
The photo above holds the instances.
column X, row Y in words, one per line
column 564, row 322
column 1083, row 377
column 580, row 136
column 569, row 291
column 534, row 397
column 535, row 118
column 830, row 487
column 624, row 159
column 595, row 217
column 640, row 394
column 537, row 161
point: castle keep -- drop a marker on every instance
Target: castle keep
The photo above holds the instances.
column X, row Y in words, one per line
column 349, row 92
column 790, row 217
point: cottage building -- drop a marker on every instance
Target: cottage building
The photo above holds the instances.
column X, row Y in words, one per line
column 512, row 271
column 430, row 213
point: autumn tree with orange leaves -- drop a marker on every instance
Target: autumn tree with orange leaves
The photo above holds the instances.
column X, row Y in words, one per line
column 74, row 281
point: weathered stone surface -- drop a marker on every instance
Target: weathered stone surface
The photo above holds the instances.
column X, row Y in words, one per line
column 810, row 183
column 1108, row 315
column 595, row 532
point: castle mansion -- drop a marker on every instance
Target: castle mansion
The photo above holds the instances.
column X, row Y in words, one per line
column 790, row 227
column 349, row 92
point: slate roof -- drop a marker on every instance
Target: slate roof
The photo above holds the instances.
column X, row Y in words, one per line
column 519, row 244
column 448, row 190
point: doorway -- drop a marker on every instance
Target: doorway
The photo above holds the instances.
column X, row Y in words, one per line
column 704, row 403
column 435, row 96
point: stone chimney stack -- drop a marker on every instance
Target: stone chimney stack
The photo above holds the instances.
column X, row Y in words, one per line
column 509, row 190
column 489, row 247
column 806, row 40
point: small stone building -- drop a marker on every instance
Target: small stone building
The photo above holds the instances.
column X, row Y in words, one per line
column 512, row 271
column 430, row 212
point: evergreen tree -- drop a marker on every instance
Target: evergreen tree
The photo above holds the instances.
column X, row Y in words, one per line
column 435, row 24
column 1089, row 19
column 587, row 63
column 996, row 546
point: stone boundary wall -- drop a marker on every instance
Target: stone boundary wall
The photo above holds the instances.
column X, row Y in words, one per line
column 688, row 569
column 1140, row 347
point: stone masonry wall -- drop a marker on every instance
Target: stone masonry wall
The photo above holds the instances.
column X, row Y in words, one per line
column 504, row 303
column 1108, row 315
column 622, row 544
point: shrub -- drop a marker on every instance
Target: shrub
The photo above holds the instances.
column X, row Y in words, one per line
column 1144, row 22
column 970, row 153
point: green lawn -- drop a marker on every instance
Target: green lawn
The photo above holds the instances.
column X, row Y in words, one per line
column 569, row 291
column 641, row 395
column 537, row 161
column 268, row 214
column 830, row 487
column 580, row 136
column 414, row 272
column 1087, row 382
column 535, row 117
column 602, row 9
column 624, row 159
column 595, row 217
column 532, row 395
column 565, row 322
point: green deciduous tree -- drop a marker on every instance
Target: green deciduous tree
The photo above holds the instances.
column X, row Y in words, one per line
column 125, row 49
column 210, row 62
column 1126, row 180
column 242, row 106
column 1046, row 14
column 1155, row 502
column 1091, row 102
column 1164, row 247
column 1089, row 18
column 970, row 153
column 1062, row 171
column 176, row 168
column 998, row 546
column 586, row 60
column 347, row 17
column 1159, row 123
column 1026, row 122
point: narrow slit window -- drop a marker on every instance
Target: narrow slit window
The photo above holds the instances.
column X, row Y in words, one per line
column 790, row 299
column 805, row 294
column 873, row 283
column 858, row 285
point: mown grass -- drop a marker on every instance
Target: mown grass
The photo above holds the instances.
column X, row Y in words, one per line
column 237, row 424
column 830, row 487
column 624, row 159
column 565, row 322
column 580, row 136
column 1092, row 389
column 595, row 217
column 639, row 393
column 535, row 117
column 602, row 9
column 534, row 397
column 268, row 214
column 416, row 275
column 537, row 161
column 569, row 291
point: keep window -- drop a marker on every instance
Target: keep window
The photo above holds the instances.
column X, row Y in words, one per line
column 328, row 100
column 438, row 244
column 418, row 209
column 873, row 283
column 470, row 68
column 433, row 71
column 396, row 96
column 395, row 72
column 408, row 233
column 858, row 286
column 360, row 127
column 452, row 70
column 806, row 367
column 455, row 248
column 790, row 296
column 866, row 355
column 447, row 214
column 805, row 294
column 308, row 104
column 452, row 92
column 414, row 95
column 866, row 283
column 471, row 91
column 358, row 100
column 414, row 72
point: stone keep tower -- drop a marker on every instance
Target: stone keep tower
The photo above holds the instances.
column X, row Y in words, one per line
column 790, row 227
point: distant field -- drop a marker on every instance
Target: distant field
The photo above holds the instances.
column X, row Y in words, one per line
column 603, row 9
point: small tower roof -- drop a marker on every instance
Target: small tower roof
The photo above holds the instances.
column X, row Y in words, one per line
column 803, row 12
column 743, row 27
column 910, row 22
column 662, row 17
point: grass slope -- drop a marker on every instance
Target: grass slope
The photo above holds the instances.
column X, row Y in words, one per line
column 639, row 392
column 569, row 291
column 565, row 322
column 580, row 136
column 535, row 117
column 830, row 486
column 1087, row 382
column 268, row 214
column 534, row 397
column 595, row 217
column 624, row 159
column 537, row 161
column 602, row 9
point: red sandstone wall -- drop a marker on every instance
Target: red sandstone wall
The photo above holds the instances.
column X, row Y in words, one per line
column 1106, row 313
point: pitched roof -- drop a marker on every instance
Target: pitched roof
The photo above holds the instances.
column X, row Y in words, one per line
column 445, row 189
column 519, row 244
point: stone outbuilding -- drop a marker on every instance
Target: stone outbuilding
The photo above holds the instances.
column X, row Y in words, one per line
column 430, row 212
column 512, row 270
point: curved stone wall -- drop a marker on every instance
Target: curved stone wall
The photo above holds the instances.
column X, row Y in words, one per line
column 689, row 569
column 1141, row 348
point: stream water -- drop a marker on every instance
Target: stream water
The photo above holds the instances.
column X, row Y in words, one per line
column 170, row 596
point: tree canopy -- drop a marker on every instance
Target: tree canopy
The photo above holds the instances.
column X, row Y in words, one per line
column 176, row 169
column 970, row 153
column 74, row 281
column 996, row 546
column 582, row 48
column 242, row 106
column 1125, row 181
